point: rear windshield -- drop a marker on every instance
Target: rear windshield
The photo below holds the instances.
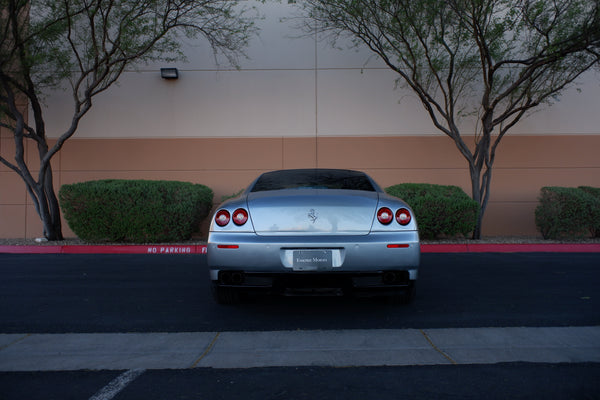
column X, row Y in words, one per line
column 313, row 179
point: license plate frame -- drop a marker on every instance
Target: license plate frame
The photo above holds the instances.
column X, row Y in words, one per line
column 312, row 260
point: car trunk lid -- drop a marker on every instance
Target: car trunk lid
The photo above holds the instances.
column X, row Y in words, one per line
column 312, row 212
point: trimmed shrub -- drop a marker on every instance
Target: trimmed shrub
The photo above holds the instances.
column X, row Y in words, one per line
column 135, row 211
column 440, row 210
column 565, row 212
column 595, row 225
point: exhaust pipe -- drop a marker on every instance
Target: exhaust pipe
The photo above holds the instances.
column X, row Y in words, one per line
column 232, row 277
column 237, row 278
column 389, row 277
column 395, row 278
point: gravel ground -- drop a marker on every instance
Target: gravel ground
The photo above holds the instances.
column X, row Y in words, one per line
column 490, row 239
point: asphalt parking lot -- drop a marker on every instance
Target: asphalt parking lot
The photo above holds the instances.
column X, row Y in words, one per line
column 147, row 322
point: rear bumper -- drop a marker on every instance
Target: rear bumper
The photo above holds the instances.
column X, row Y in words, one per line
column 256, row 255
column 365, row 284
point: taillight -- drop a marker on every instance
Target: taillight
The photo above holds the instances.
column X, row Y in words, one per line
column 403, row 216
column 222, row 217
column 240, row 216
column 385, row 215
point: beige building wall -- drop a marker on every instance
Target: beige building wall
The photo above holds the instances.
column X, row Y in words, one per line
column 296, row 102
column 524, row 165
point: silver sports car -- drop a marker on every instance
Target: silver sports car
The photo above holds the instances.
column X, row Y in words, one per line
column 314, row 231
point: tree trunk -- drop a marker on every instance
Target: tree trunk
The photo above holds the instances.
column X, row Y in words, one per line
column 47, row 208
column 52, row 227
column 478, row 224
column 49, row 204
column 480, row 189
column 475, row 173
column 45, row 202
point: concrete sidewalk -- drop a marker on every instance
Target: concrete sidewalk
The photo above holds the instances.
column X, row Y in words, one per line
column 335, row 348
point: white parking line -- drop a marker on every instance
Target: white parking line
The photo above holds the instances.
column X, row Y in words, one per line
column 116, row 385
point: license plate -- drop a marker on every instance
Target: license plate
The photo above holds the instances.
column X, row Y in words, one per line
column 312, row 260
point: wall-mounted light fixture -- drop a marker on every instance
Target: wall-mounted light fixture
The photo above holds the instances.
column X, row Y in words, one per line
column 169, row 73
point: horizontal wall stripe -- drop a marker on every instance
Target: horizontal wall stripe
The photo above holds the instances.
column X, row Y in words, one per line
column 524, row 164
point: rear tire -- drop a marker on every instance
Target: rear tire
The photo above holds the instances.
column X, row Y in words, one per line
column 225, row 295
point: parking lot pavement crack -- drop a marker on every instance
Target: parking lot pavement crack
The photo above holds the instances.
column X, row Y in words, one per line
column 207, row 351
column 446, row 356
column 17, row 340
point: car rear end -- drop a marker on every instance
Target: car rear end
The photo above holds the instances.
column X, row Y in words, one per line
column 314, row 241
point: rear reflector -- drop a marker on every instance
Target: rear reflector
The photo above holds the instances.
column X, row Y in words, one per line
column 228, row 246
column 398, row 246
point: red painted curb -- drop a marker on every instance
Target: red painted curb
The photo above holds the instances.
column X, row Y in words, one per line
column 109, row 249
column 536, row 248
column 31, row 249
column 512, row 248
column 201, row 249
column 444, row 248
column 135, row 249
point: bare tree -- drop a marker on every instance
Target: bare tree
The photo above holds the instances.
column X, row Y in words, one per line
column 86, row 45
column 479, row 64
